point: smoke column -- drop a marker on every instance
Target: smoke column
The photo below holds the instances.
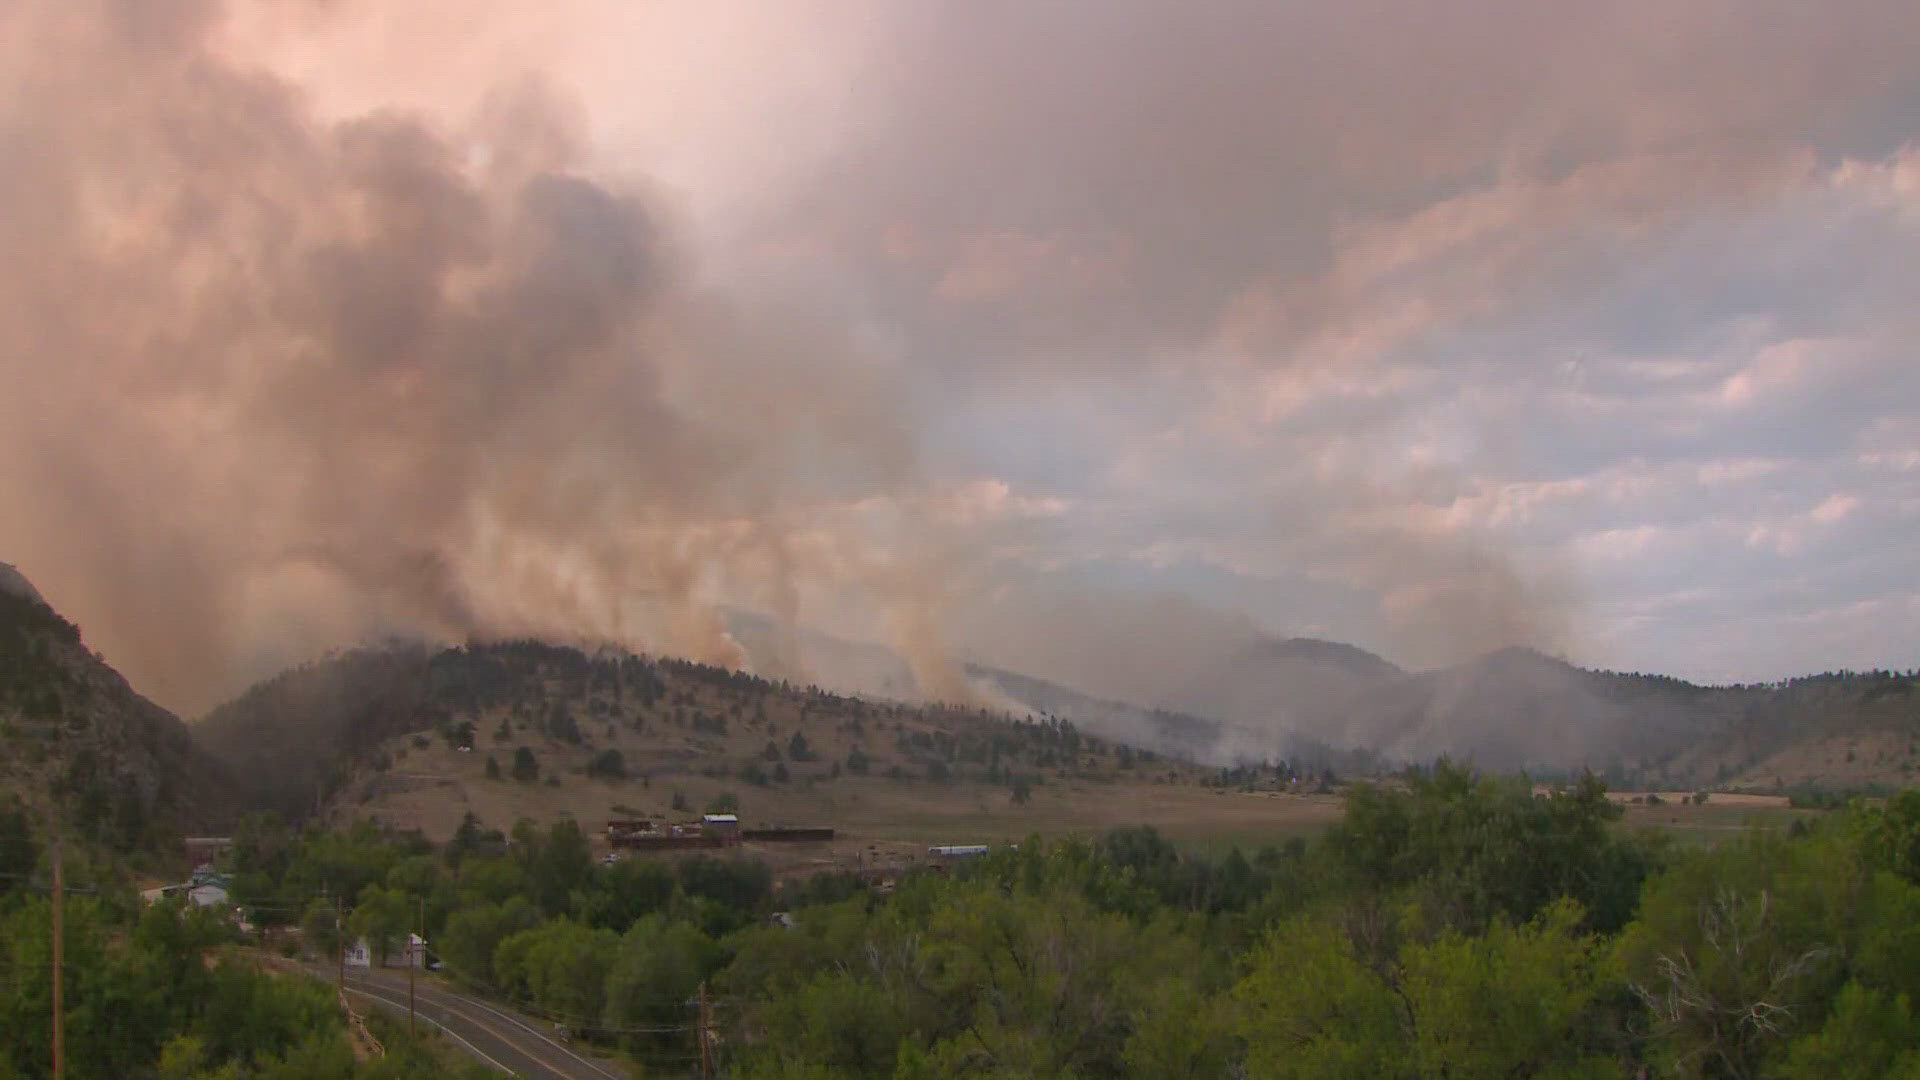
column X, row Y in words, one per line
column 276, row 382
column 302, row 343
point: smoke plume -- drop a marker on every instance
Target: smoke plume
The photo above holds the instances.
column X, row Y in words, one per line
column 590, row 322
column 275, row 381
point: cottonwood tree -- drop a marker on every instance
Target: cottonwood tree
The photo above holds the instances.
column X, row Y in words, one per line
column 1737, row 951
column 1514, row 1002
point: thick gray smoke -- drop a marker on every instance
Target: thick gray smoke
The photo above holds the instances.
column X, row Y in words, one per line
column 275, row 382
column 290, row 359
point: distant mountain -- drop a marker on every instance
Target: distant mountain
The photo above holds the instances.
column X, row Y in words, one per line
column 1227, row 718
column 1303, row 686
column 304, row 735
column 1508, row 710
column 1205, row 740
column 1520, row 709
column 76, row 739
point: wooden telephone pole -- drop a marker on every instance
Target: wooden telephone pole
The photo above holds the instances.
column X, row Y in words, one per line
column 706, row 1058
column 59, row 957
column 416, row 955
column 340, row 932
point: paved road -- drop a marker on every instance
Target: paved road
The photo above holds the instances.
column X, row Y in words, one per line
column 495, row 1036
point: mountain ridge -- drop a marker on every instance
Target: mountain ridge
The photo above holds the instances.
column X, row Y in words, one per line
column 82, row 740
column 77, row 741
column 1340, row 706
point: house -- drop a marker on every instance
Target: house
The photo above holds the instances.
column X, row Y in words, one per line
column 414, row 955
column 360, row 953
column 206, row 889
column 727, row 825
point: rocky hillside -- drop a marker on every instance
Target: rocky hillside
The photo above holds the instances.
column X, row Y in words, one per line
column 74, row 736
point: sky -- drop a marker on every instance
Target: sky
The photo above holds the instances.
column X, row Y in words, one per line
column 1024, row 332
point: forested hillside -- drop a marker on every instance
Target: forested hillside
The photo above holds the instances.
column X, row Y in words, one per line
column 366, row 724
column 76, row 739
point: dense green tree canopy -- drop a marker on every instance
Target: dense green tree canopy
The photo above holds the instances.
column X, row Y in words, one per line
column 1452, row 926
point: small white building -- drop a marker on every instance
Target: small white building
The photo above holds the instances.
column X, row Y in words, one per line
column 205, row 889
column 208, row 888
column 415, row 955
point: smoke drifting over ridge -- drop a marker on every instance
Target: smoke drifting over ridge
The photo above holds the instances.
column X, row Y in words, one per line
column 277, row 377
column 351, row 332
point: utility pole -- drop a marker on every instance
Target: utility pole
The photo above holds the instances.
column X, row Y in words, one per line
column 340, row 932
column 706, row 1059
column 59, row 955
column 416, row 955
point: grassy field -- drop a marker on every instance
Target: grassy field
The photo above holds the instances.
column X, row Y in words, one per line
column 1721, row 815
column 432, row 787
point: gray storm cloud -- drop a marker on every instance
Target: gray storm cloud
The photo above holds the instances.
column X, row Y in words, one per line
column 288, row 363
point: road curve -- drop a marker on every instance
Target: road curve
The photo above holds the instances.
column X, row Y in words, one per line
column 493, row 1035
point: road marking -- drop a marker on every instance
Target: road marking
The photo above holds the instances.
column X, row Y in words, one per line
column 531, row 1052
column 536, row 1032
column 450, row 1033
column 432, row 992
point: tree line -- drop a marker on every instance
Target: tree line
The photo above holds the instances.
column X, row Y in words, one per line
column 165, row 991
column 1452, row 925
